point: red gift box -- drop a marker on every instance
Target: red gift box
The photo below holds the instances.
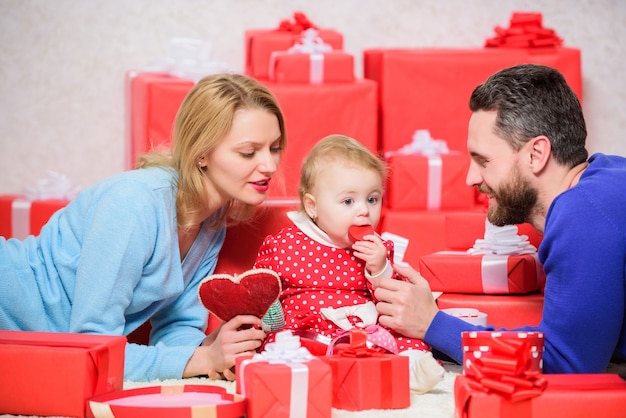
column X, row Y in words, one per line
column 180, row 401
column 329, row 67
column 565, row 396
column 417, row 182
column 424, row 229
column 153, row 101
column 260, row 43
column 503, row 311
column 280, row 390
column 43, row 373
column 442, row 81
column 311, row 113
column 21, row 217
column 461, row 272
column 364, row 378
column 463, row 228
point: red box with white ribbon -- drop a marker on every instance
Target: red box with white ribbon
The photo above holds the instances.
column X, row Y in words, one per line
column 316, row 68
column 21, row 217
column 461, row 272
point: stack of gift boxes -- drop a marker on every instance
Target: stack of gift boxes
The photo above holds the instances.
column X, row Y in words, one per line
column 404, row 92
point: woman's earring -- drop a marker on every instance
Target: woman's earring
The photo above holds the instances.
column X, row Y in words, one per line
column 200, row 165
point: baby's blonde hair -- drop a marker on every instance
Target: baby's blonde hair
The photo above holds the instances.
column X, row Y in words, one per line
column 337, row 149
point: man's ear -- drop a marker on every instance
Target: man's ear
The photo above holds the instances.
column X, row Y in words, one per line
column 310, row 205
column 539, row 149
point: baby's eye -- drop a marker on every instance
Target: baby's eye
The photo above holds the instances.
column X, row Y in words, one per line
column 372, row 200
column 348, row 202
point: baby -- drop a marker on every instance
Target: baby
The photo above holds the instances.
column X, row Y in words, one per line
column 328, row 267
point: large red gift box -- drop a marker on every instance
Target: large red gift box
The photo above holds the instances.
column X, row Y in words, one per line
column 503, row 311
column 463, row 228
column 153, row 101
column 441, row 82
column 260, row 43
column 45, row 373
column 364, row 378
column 21, row 217
column 425, row 230
column 565, row 396
column 311, row 113
column 418, row 182
column 515, row 352
column 329, row 67
column 282, row 390
column 461, row 272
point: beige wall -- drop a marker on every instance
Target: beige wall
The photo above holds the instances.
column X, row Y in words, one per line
column 62, row 62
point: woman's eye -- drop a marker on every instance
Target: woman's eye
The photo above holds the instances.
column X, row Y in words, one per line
column 247, row 154
column 276, row 150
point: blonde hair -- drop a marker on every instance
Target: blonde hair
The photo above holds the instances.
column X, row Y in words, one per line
column 204, row 118
column 337, row 149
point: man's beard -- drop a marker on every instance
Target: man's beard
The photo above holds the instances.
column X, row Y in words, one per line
column 513, row 202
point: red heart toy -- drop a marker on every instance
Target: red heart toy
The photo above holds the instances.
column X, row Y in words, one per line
column 249, row 293
column 357, row 232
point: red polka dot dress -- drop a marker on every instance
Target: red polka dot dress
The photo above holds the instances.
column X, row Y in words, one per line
column 317, row 275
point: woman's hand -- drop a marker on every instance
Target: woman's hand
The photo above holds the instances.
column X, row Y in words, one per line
column 216, row 356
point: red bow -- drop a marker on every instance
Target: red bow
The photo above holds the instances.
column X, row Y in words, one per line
column 525, row 31
column 505, row 371
column 358, row 346
column 299, row 24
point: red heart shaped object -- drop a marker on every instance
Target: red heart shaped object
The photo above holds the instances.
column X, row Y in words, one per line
column 249, row 293
column 357, row 232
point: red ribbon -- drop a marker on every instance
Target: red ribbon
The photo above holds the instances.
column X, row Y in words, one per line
column 505, row 371
column 525, row 31
column 298, row 24
column 358, row 346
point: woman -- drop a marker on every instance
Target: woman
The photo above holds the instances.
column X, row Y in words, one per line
column 134, row 247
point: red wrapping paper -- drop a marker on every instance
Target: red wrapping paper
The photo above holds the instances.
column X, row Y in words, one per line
column 260, row 43
column 460, row 272
column 504, row 311
column 56, row 373
column 20, row 217
column 442, row 81
column 412, row 177
column 267, row 388
column 565, row 396
column 154, row 99
column 367, row 379
column 311, row 113
column 334, row 66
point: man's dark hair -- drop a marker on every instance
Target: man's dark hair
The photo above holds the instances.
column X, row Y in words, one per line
column 533, row 100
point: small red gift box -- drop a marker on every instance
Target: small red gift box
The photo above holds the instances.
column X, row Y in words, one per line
column 20, row 217
column 417, row 182
column 503, row 311
column 260, row 43
column 44, row 373
column 564, row 396
column 284, row 381
column 461, row 272
column 364, row 378
column 329, row 67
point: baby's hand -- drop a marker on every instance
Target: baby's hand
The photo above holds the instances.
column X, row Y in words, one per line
column 371, row 249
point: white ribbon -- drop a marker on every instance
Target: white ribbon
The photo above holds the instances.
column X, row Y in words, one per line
column 20, row 218
column 53, row 186
column 366, row 312
column 435, row 171
column 288, row 351
column 502, row 240
column 495, row 275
